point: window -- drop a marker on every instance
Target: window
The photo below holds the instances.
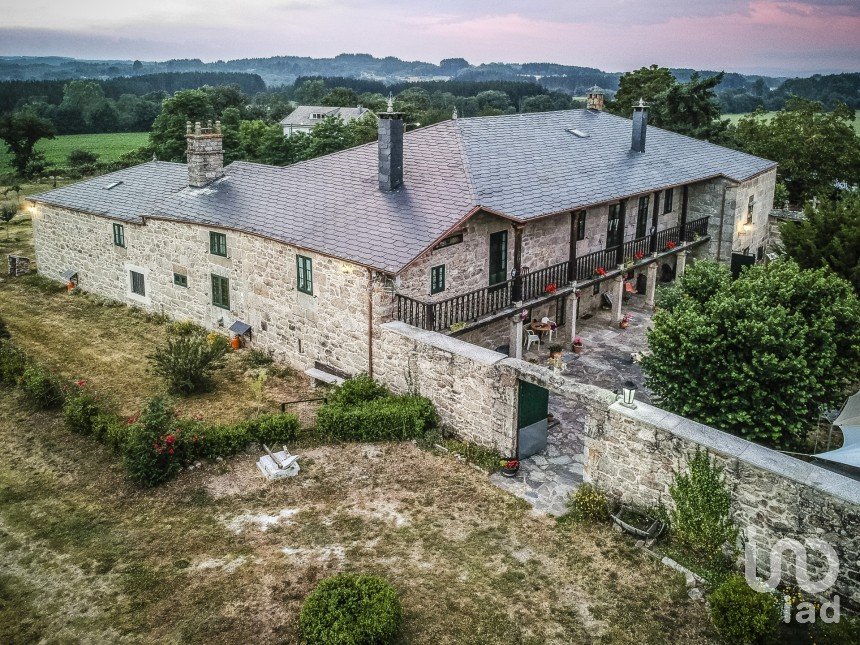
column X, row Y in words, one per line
column 220, row 291
column 668, row 197
column 580, row 227
column 450, row 241
column 642, row 216
column 118, row 235
column 613, row 226
column 138, row 283
column 750, row 207
column 437, row 279
column 304, row 275
column 180, row 279
column 218, row 243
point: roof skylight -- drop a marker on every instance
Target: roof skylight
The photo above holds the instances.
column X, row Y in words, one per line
column 578, row 133
column 113, row 184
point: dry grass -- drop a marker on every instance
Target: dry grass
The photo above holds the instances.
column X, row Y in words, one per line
column 220, row 556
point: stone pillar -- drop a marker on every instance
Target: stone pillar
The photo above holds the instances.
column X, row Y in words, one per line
column 515, row 342
column 651, row 284
column 680, row 264
column 617, row 296
column 571, row 310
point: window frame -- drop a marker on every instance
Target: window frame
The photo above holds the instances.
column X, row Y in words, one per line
column 118, row 235
column 580, row 226
column 437, row 285
column 222, row 283
column 668, row 200
column 215, row 246
column 642, row 217
column 180, row 279
column 131, row 276
column 614, row 232
column 305, row 274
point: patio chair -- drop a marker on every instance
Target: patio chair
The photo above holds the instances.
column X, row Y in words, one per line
column 531, row 338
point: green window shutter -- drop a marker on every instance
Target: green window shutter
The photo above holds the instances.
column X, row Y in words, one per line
column 642, row 217
column 180, row 279
column 138, row 283
column 437, row 279
column 119, row 235
column 220, row 291
column 218, row 243
column 667, row 200
column 304, row 275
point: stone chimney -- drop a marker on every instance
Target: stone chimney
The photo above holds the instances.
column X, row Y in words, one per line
column 640, row 126
column 390, row 148
column 595, row 99
column 205, row 153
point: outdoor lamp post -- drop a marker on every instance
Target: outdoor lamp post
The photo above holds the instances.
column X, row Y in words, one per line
column 628, row 393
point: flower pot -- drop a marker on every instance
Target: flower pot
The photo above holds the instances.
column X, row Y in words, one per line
column 509, row 472
column 577, row 349
column 555, row 354
column 624, row 324
column 236, row 342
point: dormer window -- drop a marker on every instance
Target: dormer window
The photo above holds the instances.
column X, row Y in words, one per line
column 317, row 115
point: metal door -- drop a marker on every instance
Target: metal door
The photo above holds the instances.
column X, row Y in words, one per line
column 531, row 419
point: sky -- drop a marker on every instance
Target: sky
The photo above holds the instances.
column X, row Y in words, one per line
column 749, row 36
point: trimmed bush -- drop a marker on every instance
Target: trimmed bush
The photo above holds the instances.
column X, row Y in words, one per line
column 41, row 388
column 742, row 615
column 188, row 361
column 80, row 409
column 359, row 389
column 393, row 418
column 588, row 504
column 111, row 430
column 13, row 362
column 351, row 609
column 223, row 441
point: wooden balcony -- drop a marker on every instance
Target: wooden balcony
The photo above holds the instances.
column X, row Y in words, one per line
column 488, row 303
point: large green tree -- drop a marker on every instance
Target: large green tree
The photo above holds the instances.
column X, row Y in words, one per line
column 757, row 356
column 21, row 131
column 647, row 83
column 829, row 236
column 168, row 131
column 815, row 149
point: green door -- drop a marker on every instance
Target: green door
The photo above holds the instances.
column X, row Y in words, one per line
column 498, row 257
column 531, row 419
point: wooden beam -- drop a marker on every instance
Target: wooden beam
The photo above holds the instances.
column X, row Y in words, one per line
column 571, row 258
column 517, row 290
column 622, row 216
column 655, row 217
column 683, row 223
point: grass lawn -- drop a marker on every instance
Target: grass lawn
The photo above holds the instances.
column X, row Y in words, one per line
column 109, row 147
column 220, row 556
column 734, row 118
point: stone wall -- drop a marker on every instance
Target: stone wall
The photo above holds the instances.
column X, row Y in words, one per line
column 473, row 389
column 634, row 454
column 330, row 326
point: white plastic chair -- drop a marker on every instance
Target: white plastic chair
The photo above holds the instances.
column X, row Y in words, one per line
column 531, row 338
column 552, row 327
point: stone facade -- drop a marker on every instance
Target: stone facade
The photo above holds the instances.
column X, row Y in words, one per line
column 18, row 265
column 330, row 326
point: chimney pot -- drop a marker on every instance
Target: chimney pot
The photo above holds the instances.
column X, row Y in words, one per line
column 594, row 100
column 640, row 126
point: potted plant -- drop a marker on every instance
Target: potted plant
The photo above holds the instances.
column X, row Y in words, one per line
column 671, row 245
column 555, row 350
column 600, row 272
column 510, row 467
column 550, row 288
column 577, row 345
column 638, row 255
column 625, row 322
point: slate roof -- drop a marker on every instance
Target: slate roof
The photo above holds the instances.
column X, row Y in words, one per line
column 303, row 114
column 519, row 166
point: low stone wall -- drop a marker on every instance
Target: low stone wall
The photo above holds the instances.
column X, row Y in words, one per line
column 634, row 453
column 472, row 388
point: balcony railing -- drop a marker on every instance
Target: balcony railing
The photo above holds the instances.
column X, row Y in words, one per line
column 467, row 307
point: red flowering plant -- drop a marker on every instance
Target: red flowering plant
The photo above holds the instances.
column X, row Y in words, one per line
column 671, row 244
column 551, row 287
column 638, row 255
column 510, row 464
column 81, row 406
column 600, row 271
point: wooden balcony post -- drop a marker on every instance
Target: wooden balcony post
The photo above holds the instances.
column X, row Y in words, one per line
column 622, row 216
column 517, row 286
column 683, row 223
column 654, row 220
column 430, row 316
column 571, row 260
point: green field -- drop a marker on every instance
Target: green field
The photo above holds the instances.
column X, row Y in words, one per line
column 734, row 118
column 109, row 147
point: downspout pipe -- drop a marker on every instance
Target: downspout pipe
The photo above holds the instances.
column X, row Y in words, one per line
column 369, row 323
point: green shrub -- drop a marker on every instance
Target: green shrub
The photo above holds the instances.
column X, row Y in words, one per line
column 180, row 328
column 255, row 358
column 356, row 390
column 701, row 521
column 80, row 409
column 13, row 362
column 187, row 362
column 111, row 430
column 4, row 332
column 742, row 615
column 149, row 451
column 41, row 388
column 588, row 504
column 668, row 296
column 351, row 609
column 393, row 418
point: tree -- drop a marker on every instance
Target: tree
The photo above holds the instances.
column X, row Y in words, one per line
column 168, row 130
column 21, row 131
column 341, row 97
column 646, row 83
column 815, row 149
column 310, row 92
column 829, row 236
column 83, row 160
column 761, row 355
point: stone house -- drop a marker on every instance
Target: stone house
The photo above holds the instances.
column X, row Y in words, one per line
column 305, row 117
column 455, row 227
